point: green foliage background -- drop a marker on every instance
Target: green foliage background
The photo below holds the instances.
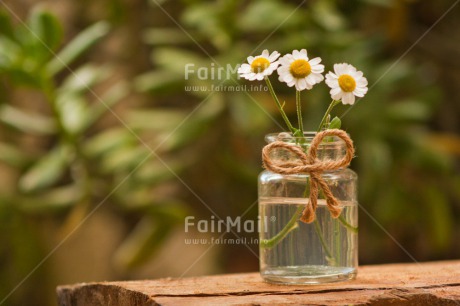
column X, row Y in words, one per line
column 95, row 114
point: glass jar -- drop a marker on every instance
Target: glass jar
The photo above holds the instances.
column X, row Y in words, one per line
column 294, row 252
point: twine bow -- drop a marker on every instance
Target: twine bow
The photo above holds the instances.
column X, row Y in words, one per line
column 308, row 163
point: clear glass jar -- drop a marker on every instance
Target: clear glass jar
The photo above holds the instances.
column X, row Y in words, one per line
column 294, row 252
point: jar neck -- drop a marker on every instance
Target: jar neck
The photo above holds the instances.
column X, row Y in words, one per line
column 332, row 148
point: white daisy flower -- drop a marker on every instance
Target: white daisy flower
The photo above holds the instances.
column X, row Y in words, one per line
column 296, row 69
column 346, row 83
column 259, row 66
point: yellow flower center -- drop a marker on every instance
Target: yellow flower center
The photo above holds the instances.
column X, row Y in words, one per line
column 260, row 64
column 300, row 68
column 347, row 83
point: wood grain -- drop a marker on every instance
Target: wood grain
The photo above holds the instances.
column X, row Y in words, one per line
column 433, row 283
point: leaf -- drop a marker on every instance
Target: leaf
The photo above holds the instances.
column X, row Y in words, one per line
column 336, row 123
column 19, row 76
column 154, row 172
column 84, row 78
column 26, row 122
column 125, row 158
column 46, row 171
column 46, row 29
column 9, row 53
column 108, row 141
column 77, row 46
column 54, row 200
column 73, row 112
column 155, row 119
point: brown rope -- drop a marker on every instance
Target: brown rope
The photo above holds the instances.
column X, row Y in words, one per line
column 308, row 163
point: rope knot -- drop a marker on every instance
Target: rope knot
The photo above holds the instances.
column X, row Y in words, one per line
column 308, row 163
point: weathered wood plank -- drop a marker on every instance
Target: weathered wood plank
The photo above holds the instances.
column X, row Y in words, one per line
column 433, row 283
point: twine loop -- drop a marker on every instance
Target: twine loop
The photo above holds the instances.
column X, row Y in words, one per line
column 308, row 163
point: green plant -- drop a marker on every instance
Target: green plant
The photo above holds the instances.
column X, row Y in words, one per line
column 66, row 161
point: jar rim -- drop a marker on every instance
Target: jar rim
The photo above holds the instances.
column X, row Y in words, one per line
column 308, row 137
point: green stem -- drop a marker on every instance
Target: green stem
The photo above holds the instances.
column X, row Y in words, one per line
column 347, row 225
column 299, row 112
column 337, row 236
column 280, row 107
column 290, row 226
column 321, row 239
column 328, row 111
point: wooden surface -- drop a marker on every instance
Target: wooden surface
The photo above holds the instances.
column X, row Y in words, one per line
column 434, row 283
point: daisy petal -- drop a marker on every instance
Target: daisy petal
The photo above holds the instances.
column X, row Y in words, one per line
column 315, row 61
column 361, row 82
column 296, row 54
column 348, row 98
column 335, row 91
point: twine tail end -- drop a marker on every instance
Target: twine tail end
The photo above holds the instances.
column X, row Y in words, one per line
column 334, row 208
column 308, row 216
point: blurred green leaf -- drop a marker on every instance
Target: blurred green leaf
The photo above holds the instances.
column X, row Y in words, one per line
column 124, row 158
column 155, row 172
column 155, row 119
column 46, row 29
column 52, row 200
column 108, row 141
column 73, row 110
column 46, row 171
column 82, row 42
column 9, row 53
column 26, row 122
column 20, row 77
column 84, row 78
